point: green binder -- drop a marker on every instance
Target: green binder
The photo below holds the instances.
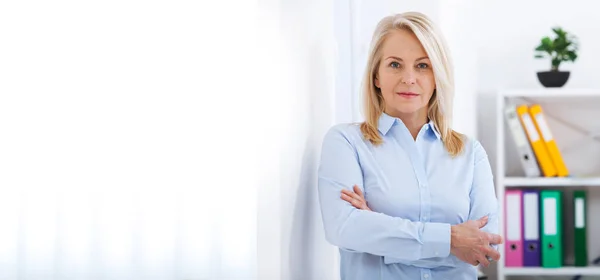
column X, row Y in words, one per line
column 579, row 205
column 552, row 253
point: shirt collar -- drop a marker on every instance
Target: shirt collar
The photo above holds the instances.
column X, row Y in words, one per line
column 386, row 122
column 435, row 131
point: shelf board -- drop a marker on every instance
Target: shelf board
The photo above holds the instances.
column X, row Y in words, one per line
column 565, row 271
column 552, row 92
column 551, row 182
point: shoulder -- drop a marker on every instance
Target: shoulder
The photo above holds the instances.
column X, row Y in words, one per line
column 340, row 141
column 473, row 149
column 347, row 131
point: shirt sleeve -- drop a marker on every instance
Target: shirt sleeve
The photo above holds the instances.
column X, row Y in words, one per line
column 364, row 231
column 483, row 194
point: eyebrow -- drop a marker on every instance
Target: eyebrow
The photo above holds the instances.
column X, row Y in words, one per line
column 400, row 59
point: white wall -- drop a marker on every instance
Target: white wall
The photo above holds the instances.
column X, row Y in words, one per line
column 305, row 252
column 301, row 76
column 120, row 130
column 457, row 21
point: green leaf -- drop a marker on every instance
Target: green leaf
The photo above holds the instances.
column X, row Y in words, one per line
column 560, row 44
column 559, row 32
column 547, row 45
column 571, row 55
column 546, row 41
column 539, row 56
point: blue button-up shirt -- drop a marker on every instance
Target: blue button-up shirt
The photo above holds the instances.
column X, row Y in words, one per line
column 416, row 191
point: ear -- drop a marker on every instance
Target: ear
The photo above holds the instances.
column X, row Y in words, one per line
column 377, row 84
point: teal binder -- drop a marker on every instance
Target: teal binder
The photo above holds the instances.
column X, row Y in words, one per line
column 551, row 230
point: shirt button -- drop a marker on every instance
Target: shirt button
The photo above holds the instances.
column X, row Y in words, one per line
column 426, row 275
column 437, row 253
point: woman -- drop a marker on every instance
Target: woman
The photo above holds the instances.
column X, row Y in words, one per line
column 403, row 195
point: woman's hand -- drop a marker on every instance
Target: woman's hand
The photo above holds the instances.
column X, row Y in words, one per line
column 470, row 244
column 356, row 198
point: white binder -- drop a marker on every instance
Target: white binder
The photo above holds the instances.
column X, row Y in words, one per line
column 526, row 155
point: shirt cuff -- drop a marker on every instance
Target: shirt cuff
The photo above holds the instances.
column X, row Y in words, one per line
column 436, row 240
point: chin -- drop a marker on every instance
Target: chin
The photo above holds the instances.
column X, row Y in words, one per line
column 406, row 109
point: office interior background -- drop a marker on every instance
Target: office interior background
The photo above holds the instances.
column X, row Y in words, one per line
column 179, row 140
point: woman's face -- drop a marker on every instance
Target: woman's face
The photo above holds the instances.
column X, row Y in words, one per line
column 405, row 76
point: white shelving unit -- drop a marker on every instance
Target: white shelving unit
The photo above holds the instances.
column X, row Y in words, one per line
column 550, row 182
column 503, row 181
column 564, row 271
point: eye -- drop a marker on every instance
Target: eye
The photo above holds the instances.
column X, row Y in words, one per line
column 395, row 64
column 423, row 66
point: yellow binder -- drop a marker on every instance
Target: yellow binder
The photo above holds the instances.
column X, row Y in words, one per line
column 542, row 126
column 537, row 144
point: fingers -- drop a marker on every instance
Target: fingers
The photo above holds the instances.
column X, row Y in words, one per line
column 483, row 221
column 483, row 261
column 354, row 199
column 350, row 199
column 474, row 261
column 492, row 254
column 358, row 191
column 352, row 194
column 471, row 258
column 479, row 223
column 495, row 239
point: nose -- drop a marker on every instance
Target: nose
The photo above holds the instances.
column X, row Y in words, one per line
column 408, row 77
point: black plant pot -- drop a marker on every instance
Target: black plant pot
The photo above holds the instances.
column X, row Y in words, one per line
column 553, row 78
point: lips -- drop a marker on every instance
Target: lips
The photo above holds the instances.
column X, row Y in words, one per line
column 408, row 94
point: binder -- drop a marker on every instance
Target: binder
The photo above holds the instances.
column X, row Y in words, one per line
column 580, row 212
column 513, row 247
column 552, row 253
column 531, row 228
column 526, row 156
column 544, row 130
column 537, row 144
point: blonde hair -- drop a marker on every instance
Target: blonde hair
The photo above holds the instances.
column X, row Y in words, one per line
column 440, row 105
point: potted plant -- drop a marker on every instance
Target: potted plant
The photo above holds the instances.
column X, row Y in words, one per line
column 562, row 48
